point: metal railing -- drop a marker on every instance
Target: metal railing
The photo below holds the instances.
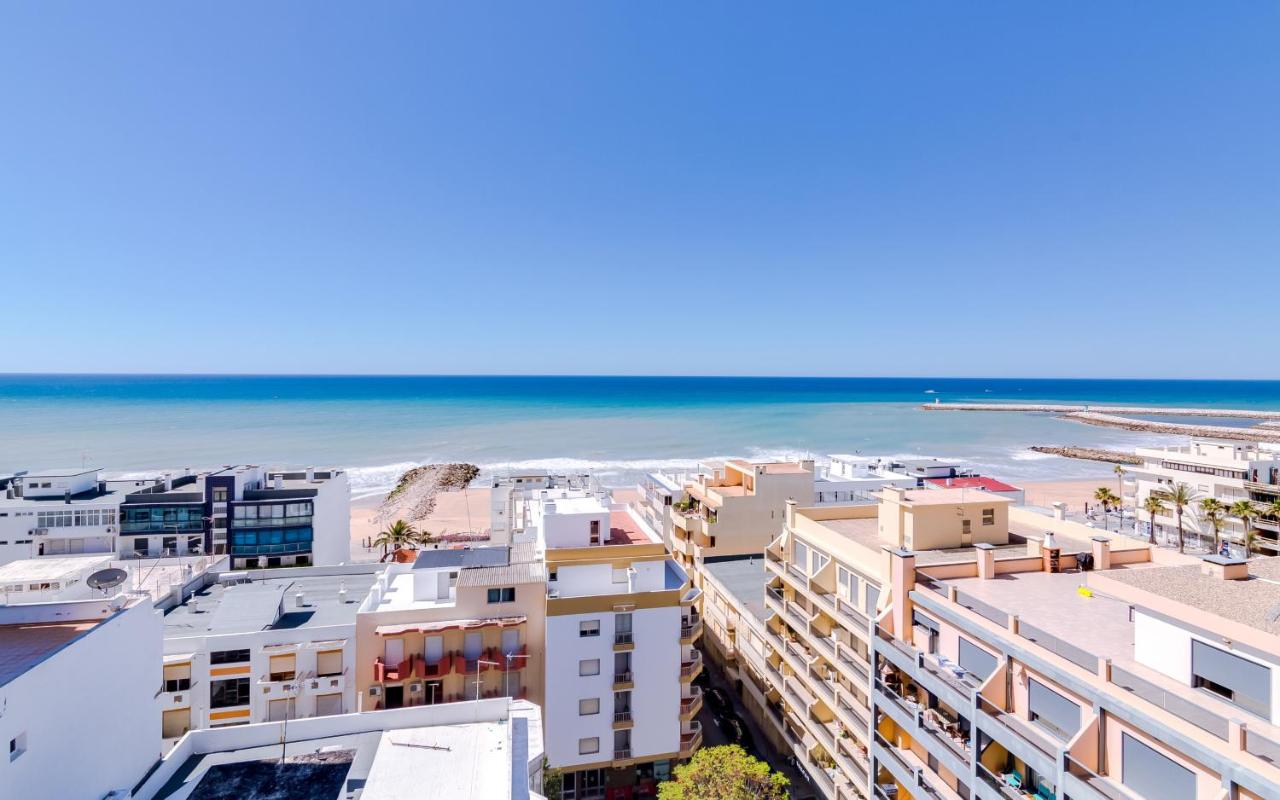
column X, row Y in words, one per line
column 999, row 784
column 1019, row 727
column 622, row 677
column 1199, row 716
column 1093, row 780
column 622, row 716
column 623, row 637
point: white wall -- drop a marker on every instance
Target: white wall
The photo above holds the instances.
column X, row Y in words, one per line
column 655, row 700
column 87, row 711
column 331, row 521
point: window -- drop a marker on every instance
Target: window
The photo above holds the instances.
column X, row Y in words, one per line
column 966, row 527
column 848, row 585
column 177, row 677
column 219, row 494
column 800, row 555
column 17, row 746
column 1153, row 774
column 195, row 544
column 975, row 660
column 873, row 597
column 988, row 516
column 926, row 629
column 588, row 706
column 228, row 656
column 595, row 531
column 330, row 663
column 504, row 595
column 590, row 627
column 1055, row 713
column 551, row 575
column 233, row 692
column 140, row 546
column 589, row 745
column 589, row 666
column 1245, row 683
column 820, row 560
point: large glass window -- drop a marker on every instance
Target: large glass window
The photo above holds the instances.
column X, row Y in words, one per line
column 272, row 540
column 159, row 519
column 975, row 660
column 1238, row 680
column 268, row 514
column 228, row 656
column 848, row 585
column 233, row 692
column 1055, row 713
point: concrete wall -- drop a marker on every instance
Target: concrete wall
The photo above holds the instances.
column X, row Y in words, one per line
column 86, row 712
column 331, row 522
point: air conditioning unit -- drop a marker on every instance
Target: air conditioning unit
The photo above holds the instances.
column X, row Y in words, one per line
column 415, row 687
column 375, row 691
column 315, row 684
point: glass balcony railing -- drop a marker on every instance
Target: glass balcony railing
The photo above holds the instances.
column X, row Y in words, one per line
column 270, row 522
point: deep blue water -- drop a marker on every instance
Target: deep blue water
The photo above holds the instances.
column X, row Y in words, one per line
column 620, row 426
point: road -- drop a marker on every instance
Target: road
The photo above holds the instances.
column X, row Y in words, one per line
column 713, row 736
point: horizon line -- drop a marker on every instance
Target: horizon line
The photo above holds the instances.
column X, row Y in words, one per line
column 617, row 375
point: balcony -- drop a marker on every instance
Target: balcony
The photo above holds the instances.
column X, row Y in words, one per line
column 1082, row 783
column 796, row 616
column 691, row 630
column 622, row 719
column 689, row 669
column 853, row 663
column 799, row 697
column 997, row 784
column 513, row 661
column 847, row 612
column 423, row 668
column 854, row 717
column 622, row 755
column 854, row 764
column 691, row 739
column 383, row 672
column 689, row 706
column 774, row 600
column 623, row 680
column 470, row 666
column 623, row 641
column 1018, row 737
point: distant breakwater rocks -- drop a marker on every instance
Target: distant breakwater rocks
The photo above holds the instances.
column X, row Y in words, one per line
column 1090, row 454
column 1107, row 417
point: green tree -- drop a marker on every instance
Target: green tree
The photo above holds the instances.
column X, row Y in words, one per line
column 1246, row 512
column 724, row 773
column 397, row 535
column 1119, row 470
column 1107, row 498
column 1179, row 496
column 1212, row 512
column 552, row 781
column 1152, row 505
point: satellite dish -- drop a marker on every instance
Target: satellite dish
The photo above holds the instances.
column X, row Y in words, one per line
column 105, row 579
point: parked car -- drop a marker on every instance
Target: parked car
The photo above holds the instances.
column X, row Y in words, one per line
column 717, row 700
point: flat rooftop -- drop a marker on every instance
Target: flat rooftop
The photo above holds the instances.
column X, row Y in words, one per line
column 271, row 604
column 744, row 579
column 24, row 645
column 110, row 497
column 51, row 568
column 1254, row 602
column 626, row 529
column 459, row 754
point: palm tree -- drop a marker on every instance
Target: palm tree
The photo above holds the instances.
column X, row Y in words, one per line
column 1103, row 496
column 1179, row 496
column 1153, row 505
column 1212, row 510
column 1246, row 512
column 1119, row 470
column 397, row 535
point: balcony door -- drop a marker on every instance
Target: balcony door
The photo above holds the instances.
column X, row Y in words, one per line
column 435, row 649
column 510, row 641
column 395, row 652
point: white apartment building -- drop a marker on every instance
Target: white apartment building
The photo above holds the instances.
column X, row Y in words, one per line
column 262, row 645
column 1226, row 470
column 76, row 686
column 620, row 633
column 259, row 517
column 58, row 512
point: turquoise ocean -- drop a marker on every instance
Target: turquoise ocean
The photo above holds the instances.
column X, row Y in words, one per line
column 619, row 427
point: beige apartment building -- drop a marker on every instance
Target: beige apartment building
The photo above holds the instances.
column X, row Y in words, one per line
column 728, row 508
column 454, row 625
column 1064, row 663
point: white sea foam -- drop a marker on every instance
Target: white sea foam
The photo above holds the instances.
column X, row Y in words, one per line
column 1030, row 455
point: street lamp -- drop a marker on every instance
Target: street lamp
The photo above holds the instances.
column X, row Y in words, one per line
column 480, row 661
column 506, row 676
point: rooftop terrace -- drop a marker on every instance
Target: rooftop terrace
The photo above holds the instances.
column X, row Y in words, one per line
column 744, row 579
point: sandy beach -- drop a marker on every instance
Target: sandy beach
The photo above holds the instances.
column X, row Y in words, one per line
column 455, row 512
column 1074, row 492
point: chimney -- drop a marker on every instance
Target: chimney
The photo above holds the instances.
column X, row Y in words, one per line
column 168, row 481
column 300, row 600
column 311, row 474
column 1051, row 553
column 986, row 560
column 1101, row 552
column 277, row 481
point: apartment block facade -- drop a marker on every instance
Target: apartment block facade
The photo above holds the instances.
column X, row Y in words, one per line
column 1225, row 470
column 1064, row 663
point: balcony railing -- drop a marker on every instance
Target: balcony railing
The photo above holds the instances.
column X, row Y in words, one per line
column 855, row 664
column 691, row 667
column 623, row 638
column 622, row 716
column 853, row 711
column 691, row 739
column 999, row 784
column 622, row 755
column 382, row 671
column 1020, row 727
column 844, row 609
column 1094, row 781
column 692, row 629
column 622, row 677
column 270, row 522
column 891, row 753
column 691, row 704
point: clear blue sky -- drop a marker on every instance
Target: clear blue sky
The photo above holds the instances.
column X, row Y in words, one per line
column 996, row 188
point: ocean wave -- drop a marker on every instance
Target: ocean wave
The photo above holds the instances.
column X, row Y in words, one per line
column 1030, row 455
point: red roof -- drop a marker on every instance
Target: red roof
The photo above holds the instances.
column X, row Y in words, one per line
column 990, row 484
